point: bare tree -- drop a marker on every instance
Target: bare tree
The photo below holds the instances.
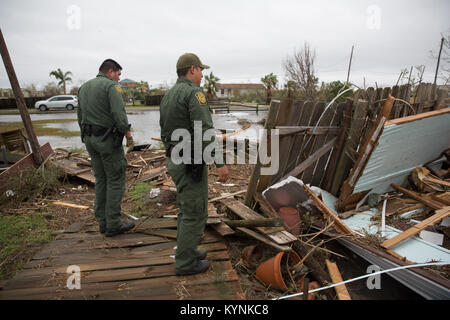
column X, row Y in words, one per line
column 300, row 69
column 444, row 73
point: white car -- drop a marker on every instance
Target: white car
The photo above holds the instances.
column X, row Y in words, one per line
column 67, row 102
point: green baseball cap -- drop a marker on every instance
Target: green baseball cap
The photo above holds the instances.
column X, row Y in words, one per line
column 189, row 59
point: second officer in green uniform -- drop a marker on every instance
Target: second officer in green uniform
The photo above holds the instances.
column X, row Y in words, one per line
column 181, row 106
column 103, row 123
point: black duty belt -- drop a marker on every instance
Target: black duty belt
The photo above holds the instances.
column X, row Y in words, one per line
column 92, row 129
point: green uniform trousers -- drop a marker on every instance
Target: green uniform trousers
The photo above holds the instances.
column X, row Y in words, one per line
column 192, row 200
column 109, row 164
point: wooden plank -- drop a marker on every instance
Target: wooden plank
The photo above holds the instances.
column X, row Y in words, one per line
column 154, row 223
column 428, row 202
column 165, row 233
column 340, row 226
column 265, row 206
column 227, row 196
column 419, row 99
column 349, row 150
column 310, row 142
column 153, row 173
column 288, row 116
column 223, row 229
column 206, row 285
column 265, row 180
column 160, row 249
column 322, row 164
column 261, row 222
column 254, row 179
column 365, row 153
column 42, row 277
column 418, row 116
column 336, row 277
column 396, row 107
column 339, row 144
column 438, row 216
column 325, row 119
column 70, row 205
column 277, row 234
column 406, row 96
column 306, row 110
column 311, row 160
column 263, row 239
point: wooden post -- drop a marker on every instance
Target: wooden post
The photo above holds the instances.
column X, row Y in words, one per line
column 254, row 179
column 37, row 155
column 338, row 149
column 438, row 60
column 349, row 66
column 364, row 154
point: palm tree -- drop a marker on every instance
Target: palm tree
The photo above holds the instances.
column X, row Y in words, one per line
column 210, row 85
column 270, row 82
column 62, row 77
column 142, row 87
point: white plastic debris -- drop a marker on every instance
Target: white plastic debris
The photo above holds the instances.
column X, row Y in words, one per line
column 154, row 193
column 9, row 193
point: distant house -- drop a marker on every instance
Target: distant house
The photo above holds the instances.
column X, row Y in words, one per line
column 238, row 89
column 127, row 83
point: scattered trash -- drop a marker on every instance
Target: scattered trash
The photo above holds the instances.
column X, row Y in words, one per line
column 9, row 193
column 154, row 193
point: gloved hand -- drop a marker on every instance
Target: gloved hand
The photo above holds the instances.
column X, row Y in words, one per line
column 130, row 143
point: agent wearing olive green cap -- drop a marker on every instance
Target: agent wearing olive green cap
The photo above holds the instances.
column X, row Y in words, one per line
column 102, row 118
column 183, row 104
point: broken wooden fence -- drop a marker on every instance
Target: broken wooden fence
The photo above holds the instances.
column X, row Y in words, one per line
column 320, row 143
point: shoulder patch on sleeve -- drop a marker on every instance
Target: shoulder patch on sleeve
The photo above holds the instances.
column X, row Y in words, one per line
column 118, row 89
column 201, row 98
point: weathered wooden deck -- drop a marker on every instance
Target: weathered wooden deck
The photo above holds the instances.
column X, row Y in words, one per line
column 128, row 266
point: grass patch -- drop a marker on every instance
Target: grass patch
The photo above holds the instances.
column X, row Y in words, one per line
column 20, row 236
column 139, row 197
column 41, row 129
column 31, row 183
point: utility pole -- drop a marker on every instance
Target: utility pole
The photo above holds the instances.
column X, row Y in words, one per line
column 439, row 59
column 20, row 100
column 349, row 65
column 437, row 70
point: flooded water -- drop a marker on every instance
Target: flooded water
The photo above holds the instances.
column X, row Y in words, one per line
column 145, row 125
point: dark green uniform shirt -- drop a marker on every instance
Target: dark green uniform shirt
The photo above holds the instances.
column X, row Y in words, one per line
column 100, row 103
column 183, row 104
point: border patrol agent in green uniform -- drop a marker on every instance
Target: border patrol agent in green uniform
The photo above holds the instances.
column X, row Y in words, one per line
column 103, row 123
column 181, row 106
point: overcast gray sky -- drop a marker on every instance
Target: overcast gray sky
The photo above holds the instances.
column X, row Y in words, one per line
column 241, row 40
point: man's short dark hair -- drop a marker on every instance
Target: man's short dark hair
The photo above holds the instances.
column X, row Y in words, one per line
column 109, row 64
column 183, row 72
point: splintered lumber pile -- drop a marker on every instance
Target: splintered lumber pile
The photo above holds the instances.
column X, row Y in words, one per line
column 438, row 216
column 278, row 235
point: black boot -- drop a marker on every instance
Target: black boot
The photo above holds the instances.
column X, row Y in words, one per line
column 200, row 267
column 201, row 254
column 123, row 227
